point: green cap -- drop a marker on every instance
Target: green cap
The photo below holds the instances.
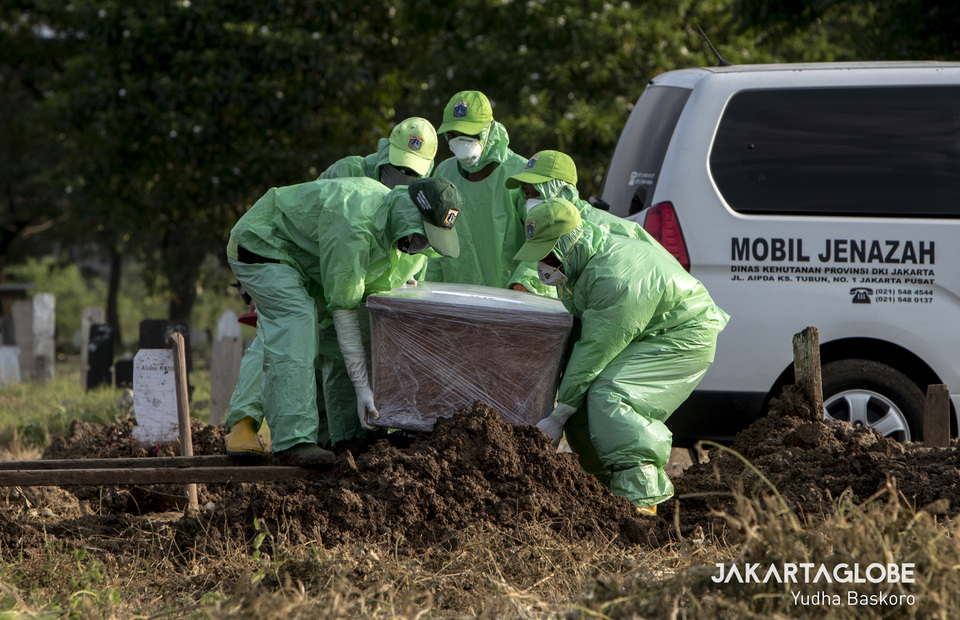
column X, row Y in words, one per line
column 413, row 144
column 543, row 167
column 546, row 223
column 468, row 112
column 439, row 202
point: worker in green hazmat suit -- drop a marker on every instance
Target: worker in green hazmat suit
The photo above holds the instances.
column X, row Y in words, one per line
column 406, row 155
column 492, row 231
column 552, row 174
column 308, row 254
column 647, row 334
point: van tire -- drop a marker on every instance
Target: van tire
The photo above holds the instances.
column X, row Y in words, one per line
column 894, row 400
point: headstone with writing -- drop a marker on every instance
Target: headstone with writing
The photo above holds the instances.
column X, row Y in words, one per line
column 44, row 329
column 155, row 334
column 225, row 366
column 91, row 316
column 9, row 364
column 155, row 396
column 100, row 356
column 22, row 311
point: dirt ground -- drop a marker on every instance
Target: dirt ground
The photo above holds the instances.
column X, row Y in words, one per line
column 473, row 469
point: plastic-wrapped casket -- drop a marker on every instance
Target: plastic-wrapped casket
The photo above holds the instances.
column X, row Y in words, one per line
column 437, row 348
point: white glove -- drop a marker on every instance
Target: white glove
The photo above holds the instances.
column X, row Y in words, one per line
column 553, row 424
column 347, row 325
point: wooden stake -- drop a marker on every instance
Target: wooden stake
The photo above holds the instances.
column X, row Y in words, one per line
column 806, row 368
column 936, row 417
column 183, row 411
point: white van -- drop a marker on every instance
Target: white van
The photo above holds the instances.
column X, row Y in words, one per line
column 823, row 195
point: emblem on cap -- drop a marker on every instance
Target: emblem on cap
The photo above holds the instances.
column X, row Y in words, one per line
column 415, row 143
column 451, row 218
column 530, row 225
column 532, row 162
column 460, row 109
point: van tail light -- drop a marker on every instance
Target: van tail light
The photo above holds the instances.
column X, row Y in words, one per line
column 662, row 224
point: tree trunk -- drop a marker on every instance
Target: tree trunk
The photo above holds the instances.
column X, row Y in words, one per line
column 183, row 295
column 113, row 292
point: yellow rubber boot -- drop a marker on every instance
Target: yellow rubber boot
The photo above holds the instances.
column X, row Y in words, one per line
column 242, row 440
column 648, row 511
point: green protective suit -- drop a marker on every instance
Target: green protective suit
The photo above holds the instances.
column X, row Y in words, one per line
column 648, row 332
column 556, row 188
column 362, row 166
column 491, row 226
column 336, row 240
column 245, row 401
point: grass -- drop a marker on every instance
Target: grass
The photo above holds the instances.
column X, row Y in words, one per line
column 142, row 571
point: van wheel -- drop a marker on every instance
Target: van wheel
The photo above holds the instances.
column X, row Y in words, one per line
column 867, row 393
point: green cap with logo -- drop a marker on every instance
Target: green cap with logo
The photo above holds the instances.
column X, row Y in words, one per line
column 468, row 112
column 546, row 223
column 413, row 144
column 439, row 203
column 545, row 166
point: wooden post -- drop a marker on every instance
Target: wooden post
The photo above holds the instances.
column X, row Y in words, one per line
column 183, row 411
column 936, row 417
column 806, row 368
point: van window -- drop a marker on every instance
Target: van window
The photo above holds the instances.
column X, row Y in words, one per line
column 889, row 152
column 637, row 160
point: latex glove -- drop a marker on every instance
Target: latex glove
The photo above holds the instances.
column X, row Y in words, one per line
column 347, row 325
column 553, row 424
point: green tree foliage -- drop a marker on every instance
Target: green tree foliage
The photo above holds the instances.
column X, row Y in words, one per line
column 881, row 29
column 29, row 195
column 164, row 121
column 182, row 114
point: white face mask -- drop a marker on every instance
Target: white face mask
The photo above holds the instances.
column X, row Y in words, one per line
column 532, row 202
column 467, row 150
column 551, row 276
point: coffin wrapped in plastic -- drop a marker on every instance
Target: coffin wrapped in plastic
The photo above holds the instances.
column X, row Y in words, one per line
column 437, row 348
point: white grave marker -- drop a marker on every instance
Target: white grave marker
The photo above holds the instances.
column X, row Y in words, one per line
column 155, row 396
column 9, row 364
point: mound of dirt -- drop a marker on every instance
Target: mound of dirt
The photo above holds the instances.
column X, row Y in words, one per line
column 811, row 461
column 472, row 471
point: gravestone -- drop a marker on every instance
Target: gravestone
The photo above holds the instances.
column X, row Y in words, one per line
column 9, row 364
column 155, row 334
column 44, row 329
column 100, row 356
column 91, row 316
column 123, row 370
column 6, row 327
column 22, row 312
column 225, row 366
column 155, row 397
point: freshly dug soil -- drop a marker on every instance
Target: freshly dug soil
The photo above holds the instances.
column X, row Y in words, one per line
column 811, row 461
column 474, row 471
